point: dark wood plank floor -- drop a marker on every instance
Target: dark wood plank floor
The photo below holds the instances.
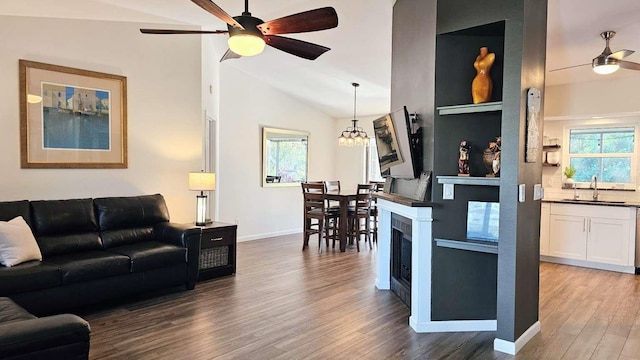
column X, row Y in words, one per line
column 288, row 304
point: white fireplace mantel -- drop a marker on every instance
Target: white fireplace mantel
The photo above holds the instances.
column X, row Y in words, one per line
column 421, row 249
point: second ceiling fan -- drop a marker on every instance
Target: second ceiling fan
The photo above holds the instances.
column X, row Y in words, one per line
column 248, row 35
column 608, row 62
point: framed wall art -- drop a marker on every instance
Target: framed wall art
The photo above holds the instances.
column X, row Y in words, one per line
column 71, row 118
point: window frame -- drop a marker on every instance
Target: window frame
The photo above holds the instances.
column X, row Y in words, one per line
column 604, row 124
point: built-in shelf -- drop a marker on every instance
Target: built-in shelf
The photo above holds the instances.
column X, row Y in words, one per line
column 485, row 247
column 551, row 147
column 550, row 165
column 469, row 180
column 470, row 108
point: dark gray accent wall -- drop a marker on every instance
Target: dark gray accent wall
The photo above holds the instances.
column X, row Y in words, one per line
column 512, row 293
column 412, row 65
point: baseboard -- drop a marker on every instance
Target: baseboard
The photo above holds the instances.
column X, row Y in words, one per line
column 589, row 264
column 512, row 348
column 452, row 326
column 271, row 234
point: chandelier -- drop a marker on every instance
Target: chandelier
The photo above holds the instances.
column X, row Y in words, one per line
column 353, row 135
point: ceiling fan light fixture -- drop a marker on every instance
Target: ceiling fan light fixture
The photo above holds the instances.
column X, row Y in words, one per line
column 605, row 65
column 246, row 44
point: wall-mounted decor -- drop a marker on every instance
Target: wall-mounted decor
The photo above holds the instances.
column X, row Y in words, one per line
column 71, row 118
column 533, row 132
column 285, row 157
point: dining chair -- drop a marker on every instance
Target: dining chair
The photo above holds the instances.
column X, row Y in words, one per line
column 361, row 210
column 315, row 208
column 377, row 186
column 332, row 186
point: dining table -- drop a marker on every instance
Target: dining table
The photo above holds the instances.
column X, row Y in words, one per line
column 344, row 197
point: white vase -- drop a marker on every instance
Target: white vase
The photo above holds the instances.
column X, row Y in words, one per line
column 568, row 182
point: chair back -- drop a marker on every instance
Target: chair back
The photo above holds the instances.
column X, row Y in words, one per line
column 363, row 197
column 332, row 186
column 313, row 196
column 378, row 185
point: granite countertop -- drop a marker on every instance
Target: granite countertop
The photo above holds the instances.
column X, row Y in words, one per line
column 588, row 201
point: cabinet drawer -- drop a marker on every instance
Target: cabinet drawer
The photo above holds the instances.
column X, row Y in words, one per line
column 217, row 237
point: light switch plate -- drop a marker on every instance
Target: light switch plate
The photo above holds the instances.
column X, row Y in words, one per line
column 521, row 188
column 447, row 191
column 538, row 192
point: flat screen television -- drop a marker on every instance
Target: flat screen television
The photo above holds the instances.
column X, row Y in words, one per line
column 483, row 220
column 396, row 153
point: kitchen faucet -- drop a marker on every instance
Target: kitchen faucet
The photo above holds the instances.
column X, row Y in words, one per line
column 594, row 183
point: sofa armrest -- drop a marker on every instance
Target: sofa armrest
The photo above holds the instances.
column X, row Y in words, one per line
column 186, row 235
column 18, row 338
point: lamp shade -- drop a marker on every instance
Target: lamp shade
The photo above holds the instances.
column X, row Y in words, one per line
column 202, row 181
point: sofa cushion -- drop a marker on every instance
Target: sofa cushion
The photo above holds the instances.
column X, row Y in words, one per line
column 88, row 265
column 10, row 311
column 12, row 209
column 64, row 226
column 135, row 213
column 151, row 255
column 29, row 276
column 57, row 245
column 17, row 244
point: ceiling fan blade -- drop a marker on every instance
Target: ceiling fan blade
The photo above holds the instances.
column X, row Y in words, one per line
column 170, row 32
column 569, row 67
column 229, row 55
column 217, row 11
column 621, row 54
column 629, row 65
column 296, row 47
column 312, row 20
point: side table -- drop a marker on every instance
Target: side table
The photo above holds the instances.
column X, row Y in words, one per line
column 217, row 250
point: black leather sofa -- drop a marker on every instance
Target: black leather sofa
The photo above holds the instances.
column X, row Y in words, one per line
column 26, row 337
column 98, row 249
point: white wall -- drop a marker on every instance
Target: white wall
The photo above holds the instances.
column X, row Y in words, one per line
column 164, row 109
column 610, row 100
column 350, row 161
column 246, row 105
column 594, row 98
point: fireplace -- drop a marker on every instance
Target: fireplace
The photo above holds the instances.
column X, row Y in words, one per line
column 401, row 257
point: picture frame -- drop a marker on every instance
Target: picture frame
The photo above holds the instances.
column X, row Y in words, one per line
column 71, row 118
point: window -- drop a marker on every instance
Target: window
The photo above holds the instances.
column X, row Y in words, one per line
column 605, row 152
column 373, row 166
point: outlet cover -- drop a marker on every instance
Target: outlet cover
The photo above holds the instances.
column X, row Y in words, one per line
column 447, row 191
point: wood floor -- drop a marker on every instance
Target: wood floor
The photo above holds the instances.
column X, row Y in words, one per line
column 288, row 304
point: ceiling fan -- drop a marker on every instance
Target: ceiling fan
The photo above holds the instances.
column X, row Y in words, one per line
column 248, row 35
column 609, row 62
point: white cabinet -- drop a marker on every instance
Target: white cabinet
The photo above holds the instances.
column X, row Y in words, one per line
column 544, row 228
column 589, row 235
column 568, row 236
column 608, row 241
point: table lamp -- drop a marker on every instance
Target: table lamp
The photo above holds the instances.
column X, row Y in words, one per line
column 202, row 181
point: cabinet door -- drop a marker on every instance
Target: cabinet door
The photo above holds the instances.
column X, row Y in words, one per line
column 544, row 229
column 608, row 241
column 568, row 236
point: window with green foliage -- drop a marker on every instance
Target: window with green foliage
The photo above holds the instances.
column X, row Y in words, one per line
column 605, row 152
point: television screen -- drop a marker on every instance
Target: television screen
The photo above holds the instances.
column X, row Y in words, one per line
column 482, row 221
column 393, row 141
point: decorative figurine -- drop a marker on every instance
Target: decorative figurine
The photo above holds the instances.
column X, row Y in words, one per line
column 463, row 162
column 482, row 86
column 491, row 157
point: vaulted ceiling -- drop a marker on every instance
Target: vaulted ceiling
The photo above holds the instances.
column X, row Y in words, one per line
column 361, row 44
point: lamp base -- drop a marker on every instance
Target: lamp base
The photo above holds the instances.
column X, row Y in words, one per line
column 205, row 223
